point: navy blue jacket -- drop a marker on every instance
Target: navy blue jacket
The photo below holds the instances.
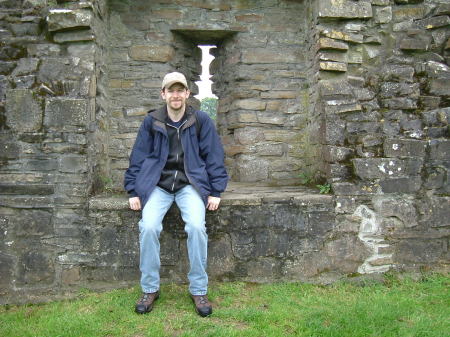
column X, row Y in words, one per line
column 203, row 155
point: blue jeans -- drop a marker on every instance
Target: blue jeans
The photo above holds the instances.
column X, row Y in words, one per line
column 193, row 213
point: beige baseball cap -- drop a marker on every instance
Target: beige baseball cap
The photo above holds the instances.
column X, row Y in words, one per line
column 172, row 78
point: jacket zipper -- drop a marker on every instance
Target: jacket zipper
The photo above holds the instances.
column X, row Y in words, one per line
column 178, row 157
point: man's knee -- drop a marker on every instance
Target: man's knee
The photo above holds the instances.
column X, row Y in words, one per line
column 195, row 227
column 150, row 227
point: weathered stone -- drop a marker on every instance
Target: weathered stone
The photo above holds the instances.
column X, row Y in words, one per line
column 415, row 44
column 408, row 13
column 36, row 267
column 250, row 104
column 333, row 66
column 439, row 86
column 394, row 89
column 65, row 114
column 440, row 149
column 263, row 55
column 248, row 135
column 327, row 43
column 151, row 53
column 383, row 14
column 345, row 9
column 59, row 19
column 26, row 66
column 399, row 103
column 398, row 73
column 333, row 56
column 251, row 170
column 333, row 89
column 434, row 22
column 341, row 106
column 336, row 153
column 82, row 35
column 398, row 207
column 373, row 168
column 404, row 148
column 23, row 110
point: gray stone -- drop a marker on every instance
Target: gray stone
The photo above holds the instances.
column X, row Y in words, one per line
column 439, row 86
column 434, row 22
column 401, row 185
column 82, row 35
column 373, row 168
column 415, row 44
column 345, row 9
column 59, row 19
column 383, row 14
column 251, row 170
column 151, row 53
column 397, row 207
column 23, row 110
column 404, row 148
column 398, row 73
column 399, row 103
column 394, row 89
column 440, row 149
column 24, row 82
column 36, row 268
column 337, row 153
column 26, row 66
column 64, row 114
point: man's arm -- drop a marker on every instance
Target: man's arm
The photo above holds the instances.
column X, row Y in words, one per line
column 213, row 203
column 141, row 149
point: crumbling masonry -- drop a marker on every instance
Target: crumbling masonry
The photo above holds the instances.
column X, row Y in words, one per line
column 352, row 93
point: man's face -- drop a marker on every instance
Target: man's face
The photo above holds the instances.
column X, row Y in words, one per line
column 175, row 96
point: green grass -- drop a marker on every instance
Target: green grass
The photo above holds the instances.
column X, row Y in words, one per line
column 398, row 307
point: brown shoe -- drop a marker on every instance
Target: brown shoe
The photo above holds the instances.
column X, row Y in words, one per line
column 145, row 303
column 202, row 305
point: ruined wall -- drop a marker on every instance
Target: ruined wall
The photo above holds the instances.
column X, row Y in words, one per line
column 354, row 91
column 384, row 100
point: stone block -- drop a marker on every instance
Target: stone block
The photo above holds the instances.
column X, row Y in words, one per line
column 327, row 43
column 23, row 110
column 415, row 44
column 374, row 168
column 333, row 56
column 334, row 132
column 344, row 36
column 65, row 114
column 439, row 86
column 434, row 22
column 26, row 66
column 6, row 271
column 251, row 169
column 73, row 164
column 345, row 9
column 403, row 103
column 263, row 55
column 336, row 153
column 249, row 104
column 429, row 102
column 341, row 106
column 398, row 207
column 335, row 89
column 74, row 36
column 440, row 149
column 419, row 251
column 152, row 53
column 249, row 135
column 36, row 267
column 404, row 148
column 333, row 66
column 408, row 13
column 383, row 14
column 398, row 73
column 59, row 19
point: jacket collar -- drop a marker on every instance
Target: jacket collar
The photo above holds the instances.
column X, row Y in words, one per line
column 161, row 115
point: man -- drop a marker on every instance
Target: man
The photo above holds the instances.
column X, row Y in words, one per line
column 177, row 156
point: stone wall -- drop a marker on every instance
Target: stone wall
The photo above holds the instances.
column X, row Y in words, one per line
column 354, row 92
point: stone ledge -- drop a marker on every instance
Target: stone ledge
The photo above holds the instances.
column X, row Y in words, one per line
column 238, row 194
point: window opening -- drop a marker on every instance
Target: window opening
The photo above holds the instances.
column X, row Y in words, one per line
column 208, row 100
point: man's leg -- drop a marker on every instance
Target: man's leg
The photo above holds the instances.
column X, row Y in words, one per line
column 150, row 228
column 193, row 213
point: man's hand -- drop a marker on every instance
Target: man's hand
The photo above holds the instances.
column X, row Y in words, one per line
column 135, row 203
column 213, row 203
